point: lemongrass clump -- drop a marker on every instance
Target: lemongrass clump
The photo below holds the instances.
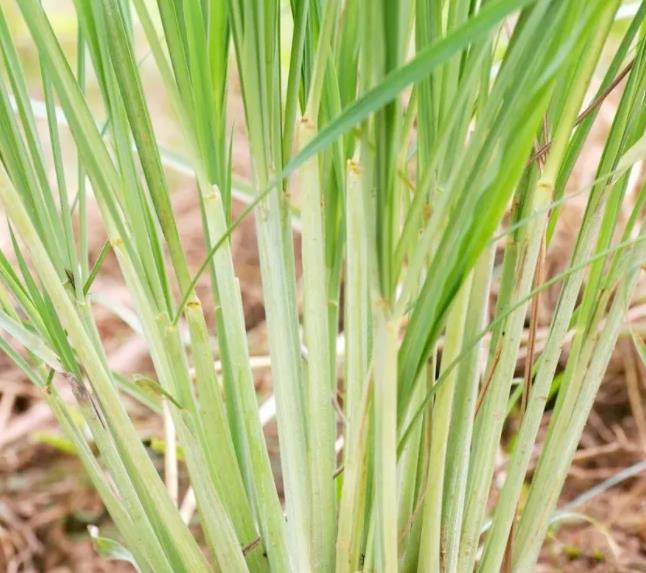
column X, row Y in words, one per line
column 423, row 151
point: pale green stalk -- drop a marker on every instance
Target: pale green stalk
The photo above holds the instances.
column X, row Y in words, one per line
column 410, row 463
column 432, row 554
column 170, row 454
column 357, row 307
column 464, row 407
column 356, row 340
column 385, row 437
column 411, row 536
column 321, row 389
column 285, row 359
column 351, row 528
column 320, row 379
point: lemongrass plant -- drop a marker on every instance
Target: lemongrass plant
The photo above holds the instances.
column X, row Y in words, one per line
column 425, row 149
